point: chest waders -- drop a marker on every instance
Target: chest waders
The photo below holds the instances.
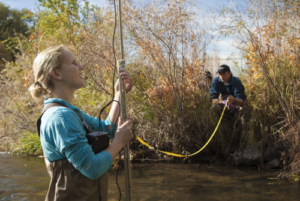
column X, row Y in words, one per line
column 68, row 183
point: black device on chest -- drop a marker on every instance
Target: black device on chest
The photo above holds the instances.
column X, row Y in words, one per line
column 98, row 141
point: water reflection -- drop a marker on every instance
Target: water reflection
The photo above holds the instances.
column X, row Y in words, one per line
column 25, row 178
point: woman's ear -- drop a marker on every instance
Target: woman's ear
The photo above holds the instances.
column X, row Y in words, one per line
column 55, row 74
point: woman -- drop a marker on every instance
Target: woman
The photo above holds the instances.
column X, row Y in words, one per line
column 76, row 172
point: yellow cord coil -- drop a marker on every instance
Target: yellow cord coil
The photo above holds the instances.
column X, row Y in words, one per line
column 180, row 155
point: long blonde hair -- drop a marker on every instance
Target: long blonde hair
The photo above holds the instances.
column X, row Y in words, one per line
column 44, row 63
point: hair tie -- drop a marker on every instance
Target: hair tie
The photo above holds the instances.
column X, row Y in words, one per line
column 38, row 84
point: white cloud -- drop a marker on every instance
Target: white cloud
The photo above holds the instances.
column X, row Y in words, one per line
column 20, row 4
column 100, row 3
column 225, row 47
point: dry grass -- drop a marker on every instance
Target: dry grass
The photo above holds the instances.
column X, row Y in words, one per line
column 292, row 156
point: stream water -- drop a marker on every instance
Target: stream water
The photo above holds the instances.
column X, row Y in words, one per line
column 25, row 178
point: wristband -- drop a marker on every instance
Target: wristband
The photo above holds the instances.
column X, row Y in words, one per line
column 232, row 108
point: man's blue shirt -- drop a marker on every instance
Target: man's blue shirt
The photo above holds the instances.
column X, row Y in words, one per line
column 234, row 87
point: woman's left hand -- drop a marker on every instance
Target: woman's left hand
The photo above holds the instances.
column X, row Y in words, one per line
column 127, row 79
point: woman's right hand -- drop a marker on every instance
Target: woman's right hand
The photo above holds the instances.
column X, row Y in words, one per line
column 123, row 134
column 122, row 137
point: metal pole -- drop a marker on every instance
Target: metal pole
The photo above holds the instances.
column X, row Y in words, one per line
column 121, row 67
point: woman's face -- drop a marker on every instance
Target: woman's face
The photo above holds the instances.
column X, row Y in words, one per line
column 71, row 71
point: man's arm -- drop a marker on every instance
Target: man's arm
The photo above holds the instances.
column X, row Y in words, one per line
column 239, row 93
column 239, row 102
column 231, row 100
column 214, row 92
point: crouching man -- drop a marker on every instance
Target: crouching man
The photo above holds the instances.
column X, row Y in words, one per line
column 227, row 86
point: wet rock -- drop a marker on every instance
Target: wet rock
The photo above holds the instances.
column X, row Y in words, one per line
column 274, row 152
column 249, row 155
column 272, row 164
column 214, row 159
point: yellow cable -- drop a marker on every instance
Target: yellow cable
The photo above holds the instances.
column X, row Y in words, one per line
column 179, row 155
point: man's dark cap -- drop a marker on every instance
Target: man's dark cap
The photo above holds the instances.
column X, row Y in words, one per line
column 223, row 68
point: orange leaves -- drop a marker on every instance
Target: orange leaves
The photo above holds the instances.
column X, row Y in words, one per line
column 160, row 93
column 272, row 51
column 152, row 46
column 41, row 34
column 167, row 91
column 257, row 76
column 31, row 37
column 193, row 37
column 27, row 77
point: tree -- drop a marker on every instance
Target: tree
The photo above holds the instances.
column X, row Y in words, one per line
column 62, row 19
column 12, row 22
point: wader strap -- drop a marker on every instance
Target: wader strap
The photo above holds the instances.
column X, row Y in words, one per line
column 39, row 121
column 59, row 165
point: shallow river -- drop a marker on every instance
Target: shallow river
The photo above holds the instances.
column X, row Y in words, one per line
column 25, row 178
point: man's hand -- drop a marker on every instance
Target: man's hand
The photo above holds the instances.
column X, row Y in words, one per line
column 233, row 100
column 230, row 102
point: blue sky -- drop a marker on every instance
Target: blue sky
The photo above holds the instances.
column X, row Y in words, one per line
column 30, row 4
column 223, row 45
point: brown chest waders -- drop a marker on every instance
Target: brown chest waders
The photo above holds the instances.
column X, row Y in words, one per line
column 68, row 183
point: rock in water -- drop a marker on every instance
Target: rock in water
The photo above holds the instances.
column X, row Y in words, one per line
column 274, row 152
column 249, row 155
column 272, row 164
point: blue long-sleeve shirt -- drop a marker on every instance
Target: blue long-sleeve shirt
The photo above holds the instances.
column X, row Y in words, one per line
column 63, row 136
column 234, row 87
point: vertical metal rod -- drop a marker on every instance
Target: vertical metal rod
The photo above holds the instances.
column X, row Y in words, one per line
column 123, row 112
column 121, row 29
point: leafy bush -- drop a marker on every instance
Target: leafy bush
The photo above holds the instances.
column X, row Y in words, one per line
column 29, row 145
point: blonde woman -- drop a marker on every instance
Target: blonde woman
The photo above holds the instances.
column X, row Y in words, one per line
column 76, row 172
